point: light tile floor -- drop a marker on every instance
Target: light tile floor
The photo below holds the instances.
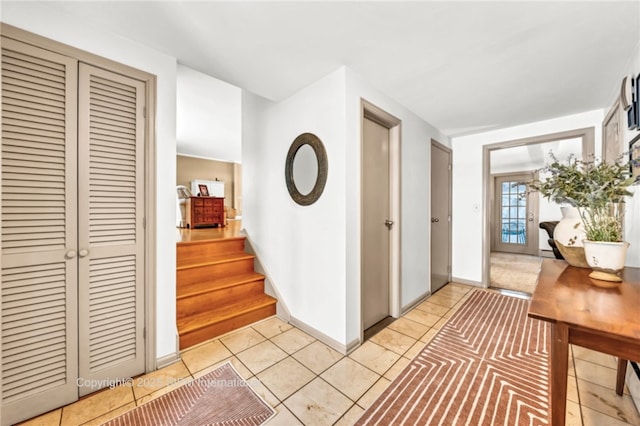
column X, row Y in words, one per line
column 309, row 383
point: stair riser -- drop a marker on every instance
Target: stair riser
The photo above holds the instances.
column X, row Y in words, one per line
column 209, row 248
column 217, row 298
column 215, row 330
column 208, row 272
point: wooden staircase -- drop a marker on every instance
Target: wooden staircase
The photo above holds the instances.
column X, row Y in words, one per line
column 217, row 289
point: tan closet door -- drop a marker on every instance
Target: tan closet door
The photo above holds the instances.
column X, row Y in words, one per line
column 111, row 234
column 39, row 214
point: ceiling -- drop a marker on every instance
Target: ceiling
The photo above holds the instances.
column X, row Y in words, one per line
column 533, row 156
column 464, row 67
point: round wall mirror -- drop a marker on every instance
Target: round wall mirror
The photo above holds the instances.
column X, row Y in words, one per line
column 306, row 169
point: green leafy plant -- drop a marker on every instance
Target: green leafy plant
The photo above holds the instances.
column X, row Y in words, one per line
column 596, row 188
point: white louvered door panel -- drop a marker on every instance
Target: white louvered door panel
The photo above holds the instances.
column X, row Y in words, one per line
column 39, row 231
column 111, row 188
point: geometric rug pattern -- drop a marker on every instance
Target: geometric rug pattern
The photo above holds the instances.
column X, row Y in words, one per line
column 488, row 365
column 221, row 397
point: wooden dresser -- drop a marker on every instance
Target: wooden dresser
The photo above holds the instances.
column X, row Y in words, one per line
column 203, row 212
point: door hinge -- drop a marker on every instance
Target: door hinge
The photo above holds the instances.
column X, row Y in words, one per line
column 449, row 167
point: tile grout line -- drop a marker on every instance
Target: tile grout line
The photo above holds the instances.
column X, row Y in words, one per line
column 446, row 316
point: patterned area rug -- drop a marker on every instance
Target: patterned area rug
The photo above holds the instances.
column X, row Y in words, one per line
column 488, row 365
column 221, row 397
column 517, row 272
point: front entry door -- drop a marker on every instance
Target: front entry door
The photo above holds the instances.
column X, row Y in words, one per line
column 440, row 215
column 375, row 228
column 515, row 228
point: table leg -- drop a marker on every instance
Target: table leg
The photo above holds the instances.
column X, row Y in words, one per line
column 622, row 372
column 559, row 370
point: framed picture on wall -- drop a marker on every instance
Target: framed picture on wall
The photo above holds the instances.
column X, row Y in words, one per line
column 634, row 157
column 204, row 191
column 631, row 88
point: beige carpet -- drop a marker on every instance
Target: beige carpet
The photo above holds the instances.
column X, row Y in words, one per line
column 517, row 272
column 221, row 397
column 488, row 365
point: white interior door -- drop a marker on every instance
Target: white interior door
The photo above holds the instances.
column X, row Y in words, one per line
column 440, row 216
column 375, row 232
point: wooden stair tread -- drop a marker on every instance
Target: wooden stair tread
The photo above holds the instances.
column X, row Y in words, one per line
column 198, row 321
column 217, row 288
column 210, row 241
column 196, row 262
column 200, row 287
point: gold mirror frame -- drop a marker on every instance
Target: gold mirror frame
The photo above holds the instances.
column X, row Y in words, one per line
column 321, row 179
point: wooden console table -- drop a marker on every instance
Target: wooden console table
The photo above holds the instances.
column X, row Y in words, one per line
column 581, row 313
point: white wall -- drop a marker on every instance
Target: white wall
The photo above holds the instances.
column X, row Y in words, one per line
column 51, row 23
column 313, row 253
column 302, row 247
column 208, row 116
column 467, row 183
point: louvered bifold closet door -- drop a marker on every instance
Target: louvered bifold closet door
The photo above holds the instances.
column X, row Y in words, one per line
column 111, row 234
column 39, row 231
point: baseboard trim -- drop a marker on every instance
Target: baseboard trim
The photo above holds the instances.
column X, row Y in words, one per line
column 467, row 282
column 547, row 254
column 329, row 341
column 415, row 303
column 166, row 360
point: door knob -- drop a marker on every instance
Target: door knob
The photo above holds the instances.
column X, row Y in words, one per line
column 388, row 223
column 70, row 254
column 83, row 253
column 434, row 219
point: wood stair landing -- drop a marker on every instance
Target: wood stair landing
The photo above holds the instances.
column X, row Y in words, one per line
column 218, row 289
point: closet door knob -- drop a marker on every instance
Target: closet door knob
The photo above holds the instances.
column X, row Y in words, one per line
column 70, row 254
column 83, row 252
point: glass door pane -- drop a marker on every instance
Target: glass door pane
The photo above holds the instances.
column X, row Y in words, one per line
column 514, row 213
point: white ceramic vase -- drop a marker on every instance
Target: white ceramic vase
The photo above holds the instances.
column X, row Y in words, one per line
column 607, row 259
column 568, row 236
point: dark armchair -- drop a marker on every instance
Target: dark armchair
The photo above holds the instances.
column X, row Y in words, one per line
column 549, row 227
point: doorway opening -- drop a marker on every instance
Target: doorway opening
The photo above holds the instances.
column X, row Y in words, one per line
column 511, row 234
column 380, row 214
